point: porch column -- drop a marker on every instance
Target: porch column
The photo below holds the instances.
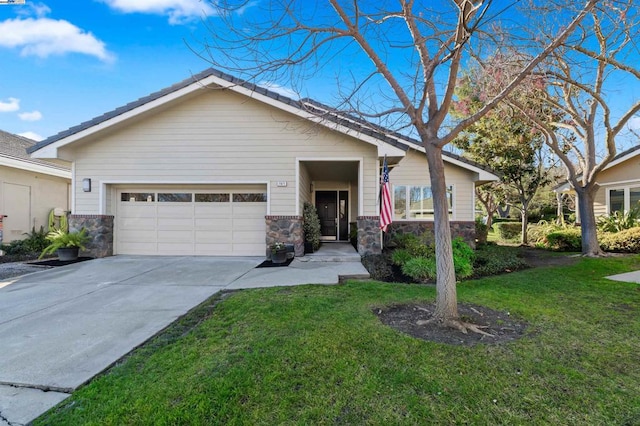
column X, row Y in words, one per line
column 286, row 229
column 369, row 241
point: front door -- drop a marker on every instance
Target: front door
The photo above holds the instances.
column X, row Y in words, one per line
column 327, row 206
column 17, row 208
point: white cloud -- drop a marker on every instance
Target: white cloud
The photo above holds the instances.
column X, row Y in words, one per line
column 31, row 135
column 30, row 116
column 11, row 104
column 274, row 87
column 179, row 11
column 634, row 123
column 43, row 37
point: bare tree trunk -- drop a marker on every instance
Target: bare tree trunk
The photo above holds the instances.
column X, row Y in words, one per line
column 524, row 217
column 560, row 212
column 590, row 245
column 446, row 300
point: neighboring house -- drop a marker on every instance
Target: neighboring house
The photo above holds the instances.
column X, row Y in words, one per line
column 619, row 184
column 215, row 165
column 29, row 188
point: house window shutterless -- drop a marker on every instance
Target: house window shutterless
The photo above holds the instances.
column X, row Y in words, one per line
column 624, row 199
column 414, row 202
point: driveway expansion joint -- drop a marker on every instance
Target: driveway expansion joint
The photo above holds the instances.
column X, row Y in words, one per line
column 43, row 388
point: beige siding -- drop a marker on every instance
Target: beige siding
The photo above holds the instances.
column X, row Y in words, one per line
column 43, row 193
column 620, row 176
column 305, row 186
column 623, row 172
column 413, row 170
column 216, row 137
column 600, row 203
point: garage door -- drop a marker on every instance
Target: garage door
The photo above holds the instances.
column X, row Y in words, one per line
column 191, row 221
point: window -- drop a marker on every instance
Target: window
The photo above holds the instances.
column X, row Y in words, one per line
column 416, row 202
column 212, row 198
column 175, row 197
column 137, row 196
column 250, row 198
column 624, row 199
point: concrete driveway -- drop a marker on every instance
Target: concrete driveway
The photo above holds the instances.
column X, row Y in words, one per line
column 60, row 327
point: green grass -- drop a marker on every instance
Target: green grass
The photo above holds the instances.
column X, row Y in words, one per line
column 317, row 355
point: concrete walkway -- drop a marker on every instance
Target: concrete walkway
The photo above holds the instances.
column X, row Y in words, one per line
column 61, row 327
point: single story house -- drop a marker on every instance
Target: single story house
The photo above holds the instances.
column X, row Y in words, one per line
column 215, row 165
column 619, row 184
column 29, row 188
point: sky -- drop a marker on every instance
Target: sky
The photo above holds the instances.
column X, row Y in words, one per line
column 62, row 63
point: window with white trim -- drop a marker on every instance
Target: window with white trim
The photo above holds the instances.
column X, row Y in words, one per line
column 624, row 199
column 414, row 202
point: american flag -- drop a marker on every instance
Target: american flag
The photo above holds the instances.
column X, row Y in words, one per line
column 386, row 211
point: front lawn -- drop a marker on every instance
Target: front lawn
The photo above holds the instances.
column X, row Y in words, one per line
column 319, row 355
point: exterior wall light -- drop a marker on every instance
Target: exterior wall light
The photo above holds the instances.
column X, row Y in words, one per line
column 86, row 185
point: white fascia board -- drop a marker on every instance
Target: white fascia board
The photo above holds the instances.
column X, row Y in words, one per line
column 622, row 159
column 51, row 150
column 35, row 167
column 483, row 175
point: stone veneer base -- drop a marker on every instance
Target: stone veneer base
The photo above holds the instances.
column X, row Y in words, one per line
column 99, row 228
column 286, row 229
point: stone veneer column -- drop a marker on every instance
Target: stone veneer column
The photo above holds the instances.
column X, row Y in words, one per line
column 99, row 228
column 369, row 241
column 287, row 229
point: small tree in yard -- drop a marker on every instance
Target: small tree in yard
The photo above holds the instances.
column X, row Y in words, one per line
column 397, row 62
column 504, row 141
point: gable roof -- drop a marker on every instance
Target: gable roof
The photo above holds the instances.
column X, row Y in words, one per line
column 624, row 156
column 13, row 153
column 306, row 108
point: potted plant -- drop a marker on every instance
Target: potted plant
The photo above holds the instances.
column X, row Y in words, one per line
column 66, row 244
column 278, row 252
column 311, row 228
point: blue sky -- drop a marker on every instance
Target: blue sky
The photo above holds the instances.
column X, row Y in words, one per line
column 63, row 63
column 66, row 62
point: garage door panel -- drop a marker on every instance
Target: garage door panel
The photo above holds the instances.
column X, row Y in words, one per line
column 174, row 248
column 212, row 224
column 137, row 248
column 175, row 223
column 206, row 224
column 179, row 236
column 248, row 224
column 138, row 235
column 223, row 237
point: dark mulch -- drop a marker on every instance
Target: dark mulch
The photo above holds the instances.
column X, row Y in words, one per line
column 56, row 262
column 404, row 318
column 270, row 264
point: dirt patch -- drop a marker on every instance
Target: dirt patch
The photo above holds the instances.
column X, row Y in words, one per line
column 404, row 318
column 536, row 257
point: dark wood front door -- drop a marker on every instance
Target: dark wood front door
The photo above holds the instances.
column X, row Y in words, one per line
column 327, row 205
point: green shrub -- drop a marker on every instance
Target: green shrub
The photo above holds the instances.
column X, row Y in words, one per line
column 415, row 245
column 463, row 256
column 492, row 259
column 401, row 256
column 482, row 230
column 626, row 241
column 34, row 243
column 421, row 269
column 619, row 221
column 508, row 230
column 569, row 239
column 311, row 225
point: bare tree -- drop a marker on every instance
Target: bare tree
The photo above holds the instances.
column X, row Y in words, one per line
column 581, row 77
column 405, row 55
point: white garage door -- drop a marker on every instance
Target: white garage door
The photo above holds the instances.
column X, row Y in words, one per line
column 191, row 221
